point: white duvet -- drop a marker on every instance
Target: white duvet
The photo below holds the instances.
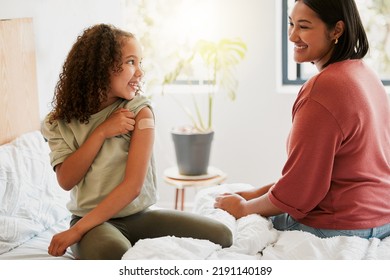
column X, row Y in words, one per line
column 30, row 199
column 255, row 238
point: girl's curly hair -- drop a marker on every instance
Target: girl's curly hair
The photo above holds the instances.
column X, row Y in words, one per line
column 85, row 79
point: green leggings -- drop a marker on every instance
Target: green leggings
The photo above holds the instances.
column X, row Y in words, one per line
column 110, row 240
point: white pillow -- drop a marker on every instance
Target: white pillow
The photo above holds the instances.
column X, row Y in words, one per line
column 30, row 199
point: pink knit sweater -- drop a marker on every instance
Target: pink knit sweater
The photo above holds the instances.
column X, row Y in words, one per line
column 337, row 175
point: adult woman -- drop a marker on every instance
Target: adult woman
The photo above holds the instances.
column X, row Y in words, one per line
column 101, row 134
column 336, row 180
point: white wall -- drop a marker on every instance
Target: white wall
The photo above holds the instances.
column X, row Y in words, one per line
column 57, row 23
column 250, row 135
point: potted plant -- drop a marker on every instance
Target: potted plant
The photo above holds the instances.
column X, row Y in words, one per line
column 193, row 143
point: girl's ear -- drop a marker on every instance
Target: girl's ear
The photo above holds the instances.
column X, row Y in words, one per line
column 338, row 29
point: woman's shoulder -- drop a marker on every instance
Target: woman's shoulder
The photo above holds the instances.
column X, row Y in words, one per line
column 342, row 71
column 335, row 78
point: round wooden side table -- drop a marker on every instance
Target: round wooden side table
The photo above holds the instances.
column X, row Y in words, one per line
column 180, row 182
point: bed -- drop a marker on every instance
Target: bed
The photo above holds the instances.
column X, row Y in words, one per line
column 256, row 239
column 32, row 205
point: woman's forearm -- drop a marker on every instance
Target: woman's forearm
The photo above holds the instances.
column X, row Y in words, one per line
column 262, row 206
column 254, row 193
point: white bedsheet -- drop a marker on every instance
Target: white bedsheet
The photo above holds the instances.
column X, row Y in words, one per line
column 36, row 247
column 31, row 202
column 255, row 238
column 302, row 245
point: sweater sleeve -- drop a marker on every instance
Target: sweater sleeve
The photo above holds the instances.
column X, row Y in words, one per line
column 306, row 177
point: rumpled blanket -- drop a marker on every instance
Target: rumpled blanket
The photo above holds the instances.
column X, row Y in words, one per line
column 255, row 238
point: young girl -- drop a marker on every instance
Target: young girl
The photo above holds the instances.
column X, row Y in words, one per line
column 101, row 134
column 336, row 180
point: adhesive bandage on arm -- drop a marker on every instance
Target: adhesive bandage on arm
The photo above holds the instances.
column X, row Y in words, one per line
column 145, row 123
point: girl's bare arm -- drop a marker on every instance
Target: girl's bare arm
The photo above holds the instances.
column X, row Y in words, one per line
column 74, row 167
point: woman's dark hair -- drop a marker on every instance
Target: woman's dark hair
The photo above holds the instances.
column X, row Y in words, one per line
column 353, row 43
column 85, row 79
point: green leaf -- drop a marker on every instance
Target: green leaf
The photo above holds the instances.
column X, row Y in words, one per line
column 220, row 58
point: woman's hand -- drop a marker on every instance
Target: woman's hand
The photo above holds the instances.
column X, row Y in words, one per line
column 119, row 122
column 243, row 203
column 234, row 204
column 61, row 241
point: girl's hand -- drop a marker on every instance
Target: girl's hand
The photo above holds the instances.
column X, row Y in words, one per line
column 119, row 122
column 61, row 241
column 234, row 204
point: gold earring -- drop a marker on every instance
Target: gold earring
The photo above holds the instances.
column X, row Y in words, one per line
column 336, row 41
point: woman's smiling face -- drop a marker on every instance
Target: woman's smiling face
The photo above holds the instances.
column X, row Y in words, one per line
column 313, row 41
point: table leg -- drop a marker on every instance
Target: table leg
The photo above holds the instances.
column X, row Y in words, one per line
column 176, row 198
column 182, row 199
column 179, row 193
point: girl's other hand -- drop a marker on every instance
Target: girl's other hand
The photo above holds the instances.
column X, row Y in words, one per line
column 61, row 241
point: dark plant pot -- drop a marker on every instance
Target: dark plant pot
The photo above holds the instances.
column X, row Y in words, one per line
column 192, row 152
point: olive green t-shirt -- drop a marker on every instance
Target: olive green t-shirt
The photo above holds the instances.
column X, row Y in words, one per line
column 108, row 168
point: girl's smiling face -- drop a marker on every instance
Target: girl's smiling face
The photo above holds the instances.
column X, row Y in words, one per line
column 125, row 84
column 313, row 41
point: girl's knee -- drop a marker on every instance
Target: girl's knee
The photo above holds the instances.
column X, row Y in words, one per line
column 104, row 249
column 225, row 236
column 104, row 242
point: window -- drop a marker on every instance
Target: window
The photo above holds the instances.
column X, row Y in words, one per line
column 374, row 14
column 168, row 30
